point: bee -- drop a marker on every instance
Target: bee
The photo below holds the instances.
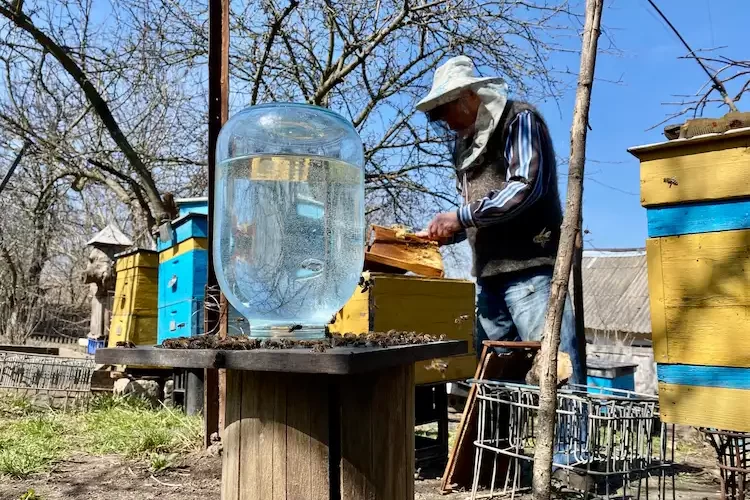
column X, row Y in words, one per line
column 671, row 181
column 543, row 237
column 438, row 364
column 461, row 319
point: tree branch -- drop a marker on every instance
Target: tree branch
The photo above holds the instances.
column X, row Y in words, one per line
column 275, row 26
column 92, row 94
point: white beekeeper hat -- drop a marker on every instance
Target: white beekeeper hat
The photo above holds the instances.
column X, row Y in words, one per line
column 454, row 76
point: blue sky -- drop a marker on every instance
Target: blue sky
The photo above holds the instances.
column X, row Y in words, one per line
column 650, row 74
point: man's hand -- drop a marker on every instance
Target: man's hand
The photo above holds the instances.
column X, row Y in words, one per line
column 442, row 227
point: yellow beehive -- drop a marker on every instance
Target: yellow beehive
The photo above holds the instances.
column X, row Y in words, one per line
column 436, row 306
column 697, row 197
column 134, row 311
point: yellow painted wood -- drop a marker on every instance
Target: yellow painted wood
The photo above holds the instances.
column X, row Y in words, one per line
column 134, row 308
column 709, row 336
column 183, row 247
column 354, row 317
column 140, row 330
column 699, row 287
column 435, row 306
column 711, row 169
column 706, row 269
column 135, row 295
column 137, row 259
column 716, row 407
column 656, row 298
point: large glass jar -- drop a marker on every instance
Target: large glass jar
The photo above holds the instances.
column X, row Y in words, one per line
column 289, row 217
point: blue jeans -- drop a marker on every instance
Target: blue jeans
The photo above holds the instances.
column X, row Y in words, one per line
column 513, row 308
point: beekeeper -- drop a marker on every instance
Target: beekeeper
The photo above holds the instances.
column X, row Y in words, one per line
column 510, row 212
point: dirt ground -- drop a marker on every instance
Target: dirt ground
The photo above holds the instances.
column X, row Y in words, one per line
column 94, row 478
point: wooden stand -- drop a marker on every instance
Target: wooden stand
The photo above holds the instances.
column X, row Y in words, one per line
column 319, row 437
column 337, row 425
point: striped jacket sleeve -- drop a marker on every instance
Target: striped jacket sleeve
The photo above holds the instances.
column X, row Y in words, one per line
column 526, row 180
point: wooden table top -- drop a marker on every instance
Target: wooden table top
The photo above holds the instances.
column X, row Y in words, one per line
column 334, row 361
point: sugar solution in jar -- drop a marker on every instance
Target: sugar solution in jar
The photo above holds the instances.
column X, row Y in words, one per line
column 289, row 241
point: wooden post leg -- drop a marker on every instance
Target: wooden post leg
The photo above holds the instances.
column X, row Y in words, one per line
column 319, row 437
column 276, row 436
column 377, row 435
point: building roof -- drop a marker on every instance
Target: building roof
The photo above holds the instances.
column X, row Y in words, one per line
column 615, row 291
column 110, row 235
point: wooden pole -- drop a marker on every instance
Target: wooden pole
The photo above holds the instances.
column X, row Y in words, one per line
column 571, row 227
column 218, row 110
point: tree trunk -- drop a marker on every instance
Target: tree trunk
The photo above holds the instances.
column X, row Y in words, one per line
column 569, row 233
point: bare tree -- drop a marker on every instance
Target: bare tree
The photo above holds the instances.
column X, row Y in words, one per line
column 733, row 77
column 112, row 96
column 371, row 63
column 36, row 286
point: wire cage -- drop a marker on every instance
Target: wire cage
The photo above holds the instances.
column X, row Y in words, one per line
column 732, row 450
column 612, row 436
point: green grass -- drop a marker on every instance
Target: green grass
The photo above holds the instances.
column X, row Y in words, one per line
column 32, row 439
column 29, row 444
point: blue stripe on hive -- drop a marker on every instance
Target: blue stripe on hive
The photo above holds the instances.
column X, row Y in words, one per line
column 704, row 376
column 700, row 217
column 192, row 225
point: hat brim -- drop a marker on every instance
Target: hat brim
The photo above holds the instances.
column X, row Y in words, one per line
column 432, row 101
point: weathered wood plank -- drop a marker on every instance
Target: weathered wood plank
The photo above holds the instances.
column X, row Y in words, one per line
column 251, row 456
column 716, row 407
column 279, row 429
column 230, row 482
column 407, row 252
column 338, row 361
column 298, row 438
column 356, row 440
column 268, row 385
column 377, row 433
column 319, row 437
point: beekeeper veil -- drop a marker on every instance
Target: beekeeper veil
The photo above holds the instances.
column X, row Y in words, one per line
column 451, row 79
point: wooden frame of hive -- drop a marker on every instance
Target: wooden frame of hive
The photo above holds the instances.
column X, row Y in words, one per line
column 697, row 196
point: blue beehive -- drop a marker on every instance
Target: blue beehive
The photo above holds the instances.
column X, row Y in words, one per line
column 603, row 375
column 192, row 206
column 183, row 264
column 183, row 271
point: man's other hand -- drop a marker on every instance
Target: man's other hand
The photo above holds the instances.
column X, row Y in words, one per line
column 442, row 227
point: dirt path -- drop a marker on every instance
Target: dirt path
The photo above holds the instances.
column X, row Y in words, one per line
column 86, row 477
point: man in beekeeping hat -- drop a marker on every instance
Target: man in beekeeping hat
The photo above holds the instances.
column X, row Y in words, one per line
column 507, row 175
column 510, row 213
